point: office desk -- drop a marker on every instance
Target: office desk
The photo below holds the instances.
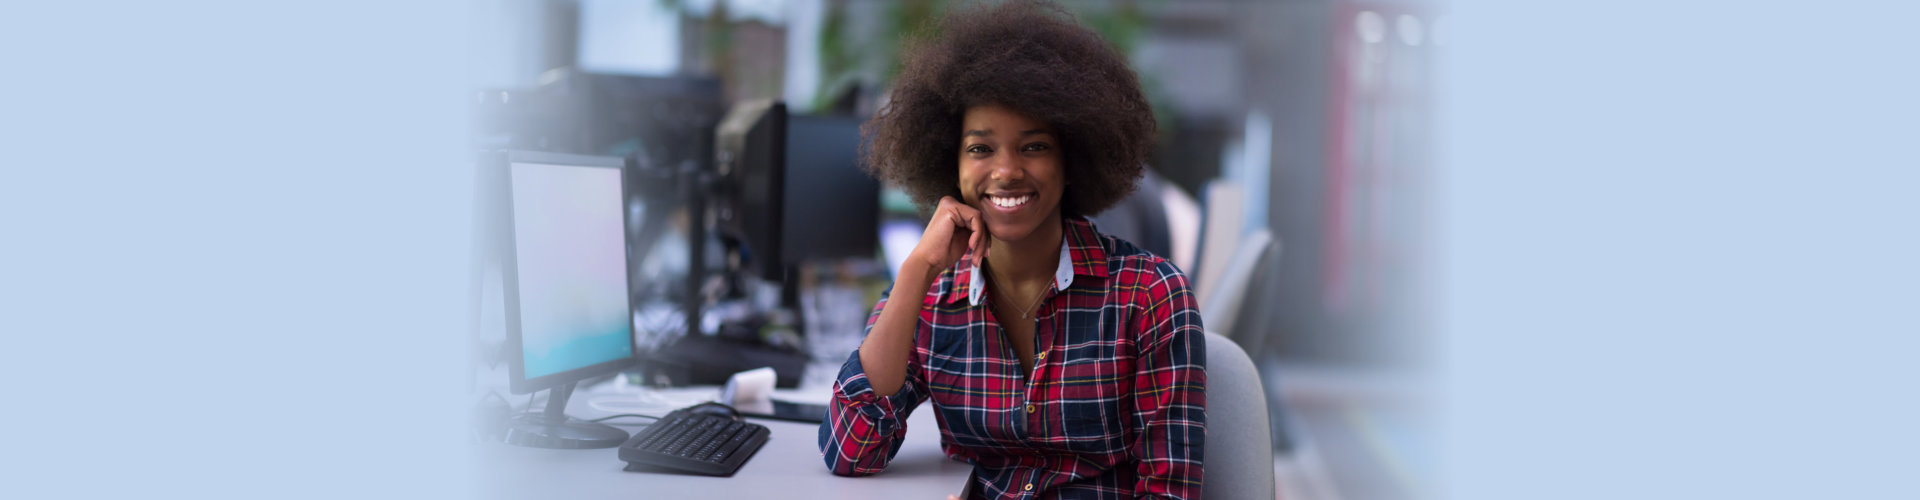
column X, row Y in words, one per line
column 788, row 467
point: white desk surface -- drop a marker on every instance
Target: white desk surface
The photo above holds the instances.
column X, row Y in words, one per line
column 787, row 467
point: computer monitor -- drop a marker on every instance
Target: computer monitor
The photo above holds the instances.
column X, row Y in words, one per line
column 791, row 188
column 833, row 206
column 564, row 263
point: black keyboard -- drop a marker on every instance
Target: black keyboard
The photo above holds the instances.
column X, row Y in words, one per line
column 699, row 443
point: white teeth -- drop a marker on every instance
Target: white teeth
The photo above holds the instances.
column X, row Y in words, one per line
column 1010, row 202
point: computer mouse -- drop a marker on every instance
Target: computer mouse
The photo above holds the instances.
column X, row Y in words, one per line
column 715, row 409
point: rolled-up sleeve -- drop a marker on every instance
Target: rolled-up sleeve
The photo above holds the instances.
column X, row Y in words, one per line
column 863, row 429
column 1170, row 388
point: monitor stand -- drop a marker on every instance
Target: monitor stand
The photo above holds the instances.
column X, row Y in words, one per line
column 552, row 428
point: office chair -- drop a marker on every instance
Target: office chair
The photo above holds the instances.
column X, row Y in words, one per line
column 1183, row 226
column 1220, row 229
column 1141, row 218
column 1221, row 300
column 1239, row 455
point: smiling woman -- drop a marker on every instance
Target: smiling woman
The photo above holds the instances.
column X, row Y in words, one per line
column 1007, row 160
column 1061, row 362
column 1028, row 57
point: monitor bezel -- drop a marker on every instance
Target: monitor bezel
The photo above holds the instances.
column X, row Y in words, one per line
column 502, row 169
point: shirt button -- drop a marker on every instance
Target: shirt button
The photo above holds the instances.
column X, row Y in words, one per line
column 1030, row 409
column 1041, row 356
column 1029, row 486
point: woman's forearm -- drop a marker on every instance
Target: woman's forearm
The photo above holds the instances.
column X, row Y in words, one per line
column 884, row 352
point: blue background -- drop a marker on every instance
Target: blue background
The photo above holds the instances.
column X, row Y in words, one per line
column 236, row 239
column 1676, row 251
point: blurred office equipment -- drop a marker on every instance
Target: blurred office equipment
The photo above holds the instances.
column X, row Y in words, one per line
column 653, row 120
column 792, row 189
column 784, row 190
column 663, row 126
column 897, row 239
column 624, row 37
column 560, row 244
column 657, row 121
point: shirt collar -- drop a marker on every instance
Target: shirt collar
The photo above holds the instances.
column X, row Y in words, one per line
column 1080, row 254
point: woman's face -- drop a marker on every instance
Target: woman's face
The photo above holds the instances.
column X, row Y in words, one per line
column 1010, row 170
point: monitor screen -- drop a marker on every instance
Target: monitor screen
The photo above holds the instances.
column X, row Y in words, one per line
column 832, row 207
column 792, row 189
column 897, row 239
column 569, row 238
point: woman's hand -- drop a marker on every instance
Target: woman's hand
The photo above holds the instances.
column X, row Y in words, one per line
column 954, row 228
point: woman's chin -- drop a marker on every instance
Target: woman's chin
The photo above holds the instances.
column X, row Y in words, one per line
column 1012, row 231
column 1009, row 232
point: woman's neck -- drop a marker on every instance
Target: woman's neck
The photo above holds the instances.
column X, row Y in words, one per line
column 1034, row 258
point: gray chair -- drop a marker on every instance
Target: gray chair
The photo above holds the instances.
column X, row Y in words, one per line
column 1222, row 299
column 1141, row 218
column 1239, row 453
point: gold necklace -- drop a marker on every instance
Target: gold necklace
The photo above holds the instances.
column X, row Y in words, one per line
column 1026, row 313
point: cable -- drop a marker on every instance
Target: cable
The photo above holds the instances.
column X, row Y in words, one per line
column 606, row 418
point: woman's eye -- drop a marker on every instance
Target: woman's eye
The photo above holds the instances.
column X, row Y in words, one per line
column 1038, row 146
column 979, row 148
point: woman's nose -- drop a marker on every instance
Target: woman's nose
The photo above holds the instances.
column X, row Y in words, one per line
column 1008, row 168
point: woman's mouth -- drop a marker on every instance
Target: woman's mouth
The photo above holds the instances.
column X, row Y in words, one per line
column 1010, row 202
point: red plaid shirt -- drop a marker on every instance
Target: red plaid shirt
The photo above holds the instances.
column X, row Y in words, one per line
column 1115, row 406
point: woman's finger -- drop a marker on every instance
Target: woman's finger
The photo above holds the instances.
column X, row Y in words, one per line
column 979, row 227
column 956, row 218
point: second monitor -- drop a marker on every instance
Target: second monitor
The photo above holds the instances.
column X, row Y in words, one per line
column 792, row 188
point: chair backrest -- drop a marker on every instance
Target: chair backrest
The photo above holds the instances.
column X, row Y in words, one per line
column 1219, row 233
column 1220, row 302
column 1239, row 453
column 1141, row 217
column 1183, row 226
